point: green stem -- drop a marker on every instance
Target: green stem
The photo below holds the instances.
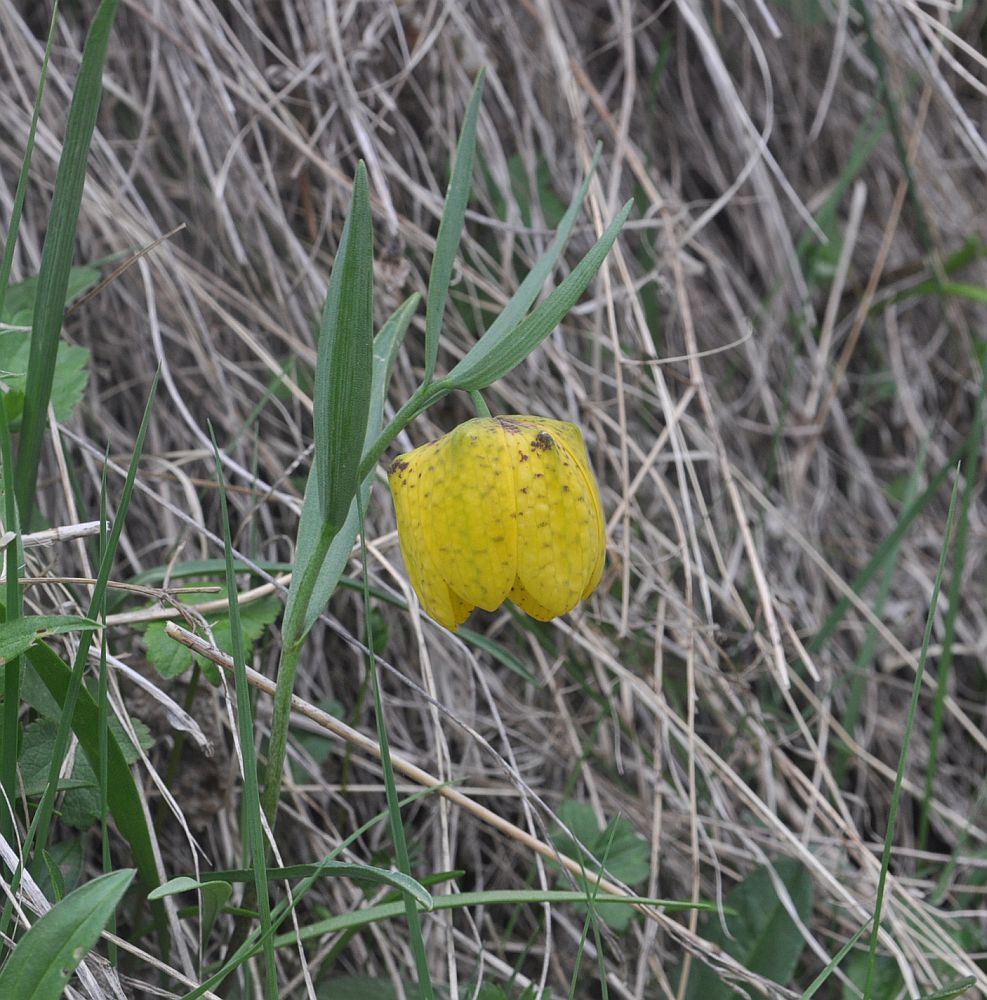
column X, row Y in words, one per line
column 421, row 400
column 292, row 638
column 482, row 410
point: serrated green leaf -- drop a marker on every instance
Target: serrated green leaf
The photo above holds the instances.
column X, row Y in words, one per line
column 168, row 657
column 18, row 636
column 345, row 361
column 762, row 935
column 69, row 379
column 386, row 346
column 501, row 349
column 450, row 230
column 18, row 306
column 45, row 958
column 171, row 658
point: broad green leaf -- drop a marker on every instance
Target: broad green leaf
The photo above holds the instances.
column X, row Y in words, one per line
column 18, row 636
column 171, row 658
column 450, row 230
column 762, row 935
column 45, row 958
column 68, row 381
column 56, row 255
column 345, row 361
column 386, row 346
column 502, row 349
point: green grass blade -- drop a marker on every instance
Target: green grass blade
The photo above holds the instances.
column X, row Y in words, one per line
column 465, row 900
column 971, row 462
column 492, row 357
column 56, row 256
column 345, row 361
column 823, row 976
column 44, row 959
column 7, row 263
column 13, row 557
column 390, row 789
column 251, row 814
column 450, row 230
column 906, row 743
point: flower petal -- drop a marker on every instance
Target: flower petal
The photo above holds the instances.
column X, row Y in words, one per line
column 559, row 527
column 470, row 509
column 572, row 440
column 407, row 477
column 528, row 604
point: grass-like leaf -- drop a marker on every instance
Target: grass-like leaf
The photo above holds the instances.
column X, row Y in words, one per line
column 906, row 745
column 43, row 961
column 499, row 351
column 251, row 812
column 56, row 257
column 386, row 346
column 450, row 230
column 345, row 361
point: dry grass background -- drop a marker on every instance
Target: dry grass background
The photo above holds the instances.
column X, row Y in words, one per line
column 756, row 401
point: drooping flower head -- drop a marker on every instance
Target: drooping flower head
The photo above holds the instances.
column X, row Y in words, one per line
column 500, row 507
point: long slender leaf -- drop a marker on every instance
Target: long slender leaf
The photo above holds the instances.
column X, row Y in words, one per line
column 492, row 357
column 56, row 256
column 251, row 814
column 906, row 744
column 463, row 900
column 522, row 300
column 345, row 361
column 7, row 263
column 450, row 230
column 45, row 958
column 386, row 346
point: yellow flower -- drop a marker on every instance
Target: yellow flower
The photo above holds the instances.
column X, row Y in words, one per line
column 500, row 507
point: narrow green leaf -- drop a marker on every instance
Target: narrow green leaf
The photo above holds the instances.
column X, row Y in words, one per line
column 253, row 832
column 18, row 636
column 385, row 350
column 464, row 900
column 906, row 743
column 492, row 357
column 823, row 976
column 345, row 360
column 328, row 869
column 522, row 300
column 7, row 262
column 450, row 230
column 56, row 256
column 952, row 991
column 45, row 958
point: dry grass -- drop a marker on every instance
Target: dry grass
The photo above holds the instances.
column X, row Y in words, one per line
column 755, row 401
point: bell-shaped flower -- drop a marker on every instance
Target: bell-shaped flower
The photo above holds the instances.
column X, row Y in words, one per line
column 500, row 507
